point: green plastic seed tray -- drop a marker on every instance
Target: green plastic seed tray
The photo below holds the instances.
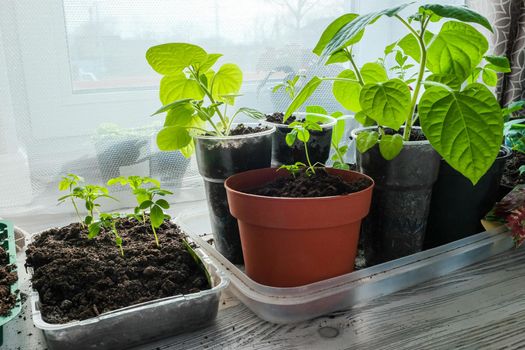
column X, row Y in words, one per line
column 7, row 241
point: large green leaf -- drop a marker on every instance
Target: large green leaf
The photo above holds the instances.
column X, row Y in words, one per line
column 373, row 72
column 347, row 92
column 388, row 103
column 172, row 138
column 465, row 127
column 461, row 13
column 178, row 87
column 172, row 58
column 180, row 115
column 302, row 96
column 364, row 120
column 456, row 50
column 227, row 80
column 410, row 45
column 354, row 29
column 332, row 29
column 447, row 79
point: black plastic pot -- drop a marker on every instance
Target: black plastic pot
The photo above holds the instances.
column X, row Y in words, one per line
column 217, row 159
column 397, row 221
column 457, row 206
column 318, row 146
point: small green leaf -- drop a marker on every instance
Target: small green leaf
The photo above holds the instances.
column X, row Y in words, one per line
column 168, row 59
column 373, row 73
column 410, row 45
column 172, row 138
column 489, row 77
column 145, row 204
column 366, row 140
column 302, row 96
column 461, row 13
column 332, row 29
column 338, row 129
column 93, row 230
column 464, row 127
column 456, row 50
column 500, row 63
column 342, row 166
column 347, row 92
column 227, row 80
column 291, row 137
column 390, row 146
column 163, row 203
column 513, row 107
column 303, row 135
column 173, row 105
column 252, row 113
column 156, row 216
column 211, row 59
column 387, row 103
column 337, row 57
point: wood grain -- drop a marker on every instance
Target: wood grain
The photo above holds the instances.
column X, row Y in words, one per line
column 479, row 307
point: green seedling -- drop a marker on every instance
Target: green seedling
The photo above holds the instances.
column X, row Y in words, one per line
column 88, row 193
column 300, row 130
column 147, row 204
column 69, row 182
column 109, row 222
column 194, row 95
column 289, row 86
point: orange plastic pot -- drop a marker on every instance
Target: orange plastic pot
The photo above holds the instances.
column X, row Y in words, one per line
column 289, row 242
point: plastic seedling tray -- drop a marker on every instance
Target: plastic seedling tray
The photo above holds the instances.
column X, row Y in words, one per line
column 7, row 241
column 140, row 323
column 288, row 305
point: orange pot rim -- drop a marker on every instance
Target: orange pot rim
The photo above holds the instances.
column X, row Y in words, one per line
column 325, row 198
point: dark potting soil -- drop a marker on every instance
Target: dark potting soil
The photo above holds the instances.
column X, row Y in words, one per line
column 415, row 134
column 7, row 278
column 278, row 118
column 320, row 184
column 511, row 174
column 78, row 278
column 242, row 129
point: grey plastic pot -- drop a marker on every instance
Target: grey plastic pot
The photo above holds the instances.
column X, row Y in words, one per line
column 457, row 205
column 217, row 159
column 397, row 221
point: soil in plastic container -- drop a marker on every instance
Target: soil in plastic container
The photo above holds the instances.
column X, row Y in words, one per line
column 79, row 278
column 7, row 278
column 246, row 148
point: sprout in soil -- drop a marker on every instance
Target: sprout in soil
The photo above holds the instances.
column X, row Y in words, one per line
column 88, row 193
column 300, row 130
column 145, row 197
column 107, row 221
column 193, row 94
column 69, row 182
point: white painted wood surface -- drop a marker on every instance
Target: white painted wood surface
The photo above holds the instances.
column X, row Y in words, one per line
column 479, row 307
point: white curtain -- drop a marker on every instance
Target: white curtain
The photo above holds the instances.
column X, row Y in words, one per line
column 76, row 92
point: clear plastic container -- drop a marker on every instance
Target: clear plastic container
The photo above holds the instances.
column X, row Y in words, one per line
column 137, row 324
column 288, row 305
column 7, row 241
